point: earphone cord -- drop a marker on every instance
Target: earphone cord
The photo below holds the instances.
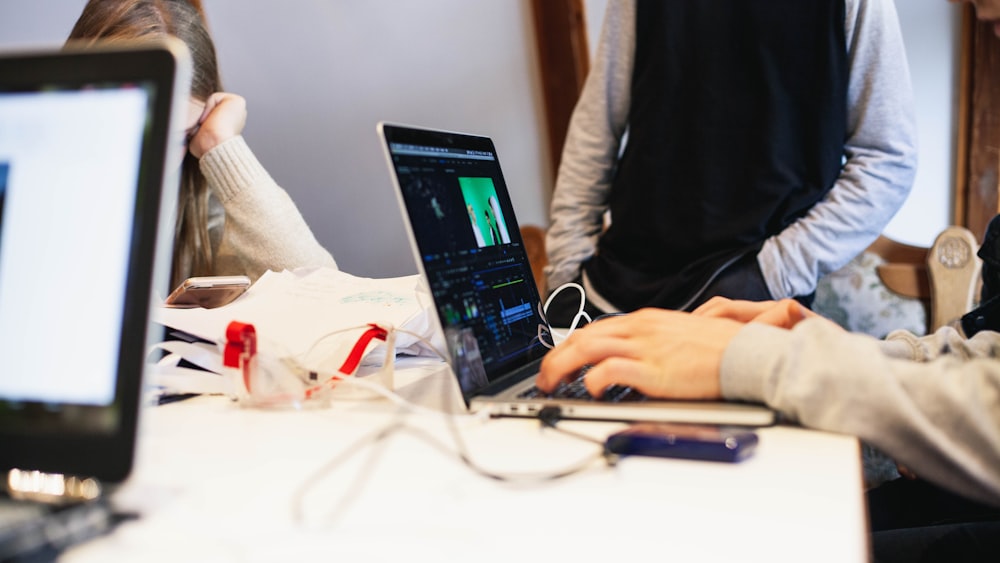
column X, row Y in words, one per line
column 451, row 417
column 581, row 315
column 460, row 447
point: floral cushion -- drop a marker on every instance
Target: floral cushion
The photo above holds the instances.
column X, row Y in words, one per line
column 855, row 298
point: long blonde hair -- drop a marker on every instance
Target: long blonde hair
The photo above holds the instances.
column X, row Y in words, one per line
column 110, row 20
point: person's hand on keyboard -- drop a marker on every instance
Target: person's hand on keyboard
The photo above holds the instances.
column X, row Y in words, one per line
column 785, row 313
column 658, row 352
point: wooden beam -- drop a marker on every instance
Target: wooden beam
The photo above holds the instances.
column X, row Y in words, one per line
column 564, row 60
column 960, row 189
column 981, row 191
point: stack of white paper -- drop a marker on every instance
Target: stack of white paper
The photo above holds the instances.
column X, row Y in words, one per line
column 312, row 315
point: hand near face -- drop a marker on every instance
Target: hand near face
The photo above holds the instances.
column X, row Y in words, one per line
column 783, row 314
column 659, row 352
column 223, row 118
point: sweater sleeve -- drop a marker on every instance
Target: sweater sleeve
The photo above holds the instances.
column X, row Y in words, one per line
column 591, row 148
column 263, row 229
column 933, row 404
column 880, row 159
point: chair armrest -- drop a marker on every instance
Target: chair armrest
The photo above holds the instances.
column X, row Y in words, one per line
column 908, row 280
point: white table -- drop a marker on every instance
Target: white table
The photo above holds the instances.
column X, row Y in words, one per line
column 217, row 482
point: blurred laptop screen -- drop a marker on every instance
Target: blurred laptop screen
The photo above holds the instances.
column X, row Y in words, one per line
column 69, row 162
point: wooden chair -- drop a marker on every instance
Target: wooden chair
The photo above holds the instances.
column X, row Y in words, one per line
column 534, row 244
column 955, row 273
column 945, row 276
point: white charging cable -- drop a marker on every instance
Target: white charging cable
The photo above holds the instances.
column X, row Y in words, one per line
column 581, row 315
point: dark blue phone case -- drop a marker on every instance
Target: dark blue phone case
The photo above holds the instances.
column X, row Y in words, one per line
column 701, row 442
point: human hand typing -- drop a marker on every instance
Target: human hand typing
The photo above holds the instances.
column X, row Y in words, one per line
column 659, row 352
column 223, row 118
column 785, row 313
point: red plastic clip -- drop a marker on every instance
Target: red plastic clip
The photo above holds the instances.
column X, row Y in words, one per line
column 354, row 358
column 241, row 349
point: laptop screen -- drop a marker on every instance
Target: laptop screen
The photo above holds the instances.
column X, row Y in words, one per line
column 90, row 140
column 83, row 160
column 469, row 247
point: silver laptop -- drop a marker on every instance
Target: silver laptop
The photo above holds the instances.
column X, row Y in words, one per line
column 90, row 149
column 468, row 247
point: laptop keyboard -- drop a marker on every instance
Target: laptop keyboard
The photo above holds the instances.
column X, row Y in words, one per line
column 31, row 531
column 575, row 389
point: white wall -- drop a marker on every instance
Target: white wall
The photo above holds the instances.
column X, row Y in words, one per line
column 931, row 31
column 319, row 74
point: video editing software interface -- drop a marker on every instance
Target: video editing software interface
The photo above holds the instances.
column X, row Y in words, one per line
column 471, row 249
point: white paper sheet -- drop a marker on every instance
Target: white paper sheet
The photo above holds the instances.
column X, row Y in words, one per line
column 295, row 313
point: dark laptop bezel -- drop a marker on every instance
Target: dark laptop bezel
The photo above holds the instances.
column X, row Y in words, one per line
column 36, row 438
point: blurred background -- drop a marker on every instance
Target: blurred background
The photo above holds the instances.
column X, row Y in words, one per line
column 319, row 74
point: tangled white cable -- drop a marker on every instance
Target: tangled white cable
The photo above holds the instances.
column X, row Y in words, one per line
column 581, row 315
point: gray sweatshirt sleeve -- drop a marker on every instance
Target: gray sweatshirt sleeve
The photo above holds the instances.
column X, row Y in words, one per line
column 880, row 164
column 262, row 228
column 591, row 148
column 931, row 403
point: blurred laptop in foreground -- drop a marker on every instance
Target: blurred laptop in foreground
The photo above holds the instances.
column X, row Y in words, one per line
column 88, row 185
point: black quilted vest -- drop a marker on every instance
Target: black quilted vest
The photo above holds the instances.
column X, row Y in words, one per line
column 736, row 128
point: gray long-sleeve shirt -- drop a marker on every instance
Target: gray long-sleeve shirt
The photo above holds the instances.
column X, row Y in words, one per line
column 880, row 155
column 931, row 403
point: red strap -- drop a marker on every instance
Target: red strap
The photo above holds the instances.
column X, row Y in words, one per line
column 241, row 339
column 354, row 358
column 241, row 349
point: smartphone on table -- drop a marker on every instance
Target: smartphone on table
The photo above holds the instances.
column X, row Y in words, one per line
column 207, row 291
column 686, row 441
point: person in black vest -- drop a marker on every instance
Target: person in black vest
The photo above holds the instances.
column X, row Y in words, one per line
column 736, row 148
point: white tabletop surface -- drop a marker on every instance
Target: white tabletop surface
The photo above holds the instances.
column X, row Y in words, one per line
column 215, row 481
